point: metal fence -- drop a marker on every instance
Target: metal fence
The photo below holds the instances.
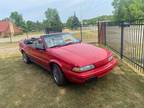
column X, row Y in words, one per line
column 125, row 38
column 86, row 33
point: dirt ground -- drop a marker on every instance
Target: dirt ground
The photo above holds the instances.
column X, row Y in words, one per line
column 30, row 86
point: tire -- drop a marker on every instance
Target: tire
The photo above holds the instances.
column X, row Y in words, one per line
column 58, row 76
column 25, row 58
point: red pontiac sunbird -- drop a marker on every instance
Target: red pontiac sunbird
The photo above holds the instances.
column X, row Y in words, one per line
column 67, row 58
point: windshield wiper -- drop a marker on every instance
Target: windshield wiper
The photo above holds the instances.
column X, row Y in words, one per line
column 56, row 46
column 70, row 43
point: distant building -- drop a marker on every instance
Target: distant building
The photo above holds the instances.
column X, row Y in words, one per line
column 7, row 28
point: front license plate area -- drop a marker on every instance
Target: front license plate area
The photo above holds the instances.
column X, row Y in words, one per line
column 92, row 79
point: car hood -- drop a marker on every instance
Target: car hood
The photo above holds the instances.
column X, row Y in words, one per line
column 80, row 54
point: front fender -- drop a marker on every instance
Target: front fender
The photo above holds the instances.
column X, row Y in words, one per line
column 56, row 61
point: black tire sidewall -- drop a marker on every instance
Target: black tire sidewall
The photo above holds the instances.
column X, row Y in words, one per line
column 24, row 56
column 60, row 77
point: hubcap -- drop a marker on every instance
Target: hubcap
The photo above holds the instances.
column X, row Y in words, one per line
column 24, row 58
column 55, row 78
column 55, row 75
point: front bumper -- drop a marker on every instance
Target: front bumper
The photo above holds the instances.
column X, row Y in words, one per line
column 85, row 76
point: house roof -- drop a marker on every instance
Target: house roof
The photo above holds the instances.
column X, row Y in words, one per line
column 4, row 26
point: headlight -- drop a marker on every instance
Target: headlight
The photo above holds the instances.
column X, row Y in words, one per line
column 84, row 68
column 110, row 58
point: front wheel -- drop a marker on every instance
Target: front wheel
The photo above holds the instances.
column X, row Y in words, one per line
column 58, row 75
column 25, row 58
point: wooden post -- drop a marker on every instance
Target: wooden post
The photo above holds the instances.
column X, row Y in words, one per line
column 122, row 40
column 11, row 30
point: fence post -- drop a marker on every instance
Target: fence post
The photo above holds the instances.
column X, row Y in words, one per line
column 122, row 40
column 98, row 32
column 10, row 36
column 104, row 33
column 81, row 31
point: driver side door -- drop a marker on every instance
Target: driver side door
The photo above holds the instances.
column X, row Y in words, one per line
column 40, row 54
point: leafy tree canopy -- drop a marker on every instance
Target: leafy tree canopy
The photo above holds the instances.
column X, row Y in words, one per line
column 128, row 9
column 73, row 22
column 17, row 19
column 52, row 21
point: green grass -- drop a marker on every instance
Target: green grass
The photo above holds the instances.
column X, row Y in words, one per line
column 29, row 86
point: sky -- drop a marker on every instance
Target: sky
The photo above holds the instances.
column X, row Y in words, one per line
column 34, row 9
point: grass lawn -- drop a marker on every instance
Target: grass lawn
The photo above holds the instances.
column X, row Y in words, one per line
column 29, row 86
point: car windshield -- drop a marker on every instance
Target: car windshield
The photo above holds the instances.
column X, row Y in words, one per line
column 60, row 40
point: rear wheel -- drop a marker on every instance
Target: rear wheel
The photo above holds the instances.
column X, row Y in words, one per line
column 58, row 75
column 25, row 58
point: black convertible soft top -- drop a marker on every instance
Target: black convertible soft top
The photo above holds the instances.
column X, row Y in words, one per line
column 30, row 41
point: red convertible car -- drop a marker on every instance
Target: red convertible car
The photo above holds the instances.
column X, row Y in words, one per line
column 67, row 58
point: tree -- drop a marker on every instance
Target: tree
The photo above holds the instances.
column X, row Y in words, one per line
column 128, row 9
column 31, row 26
column 93, row 21
column 73, row 22
column 17, row 19
column 27, row 26
column 39, row 26
column 69, row 22
column 52, row 22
